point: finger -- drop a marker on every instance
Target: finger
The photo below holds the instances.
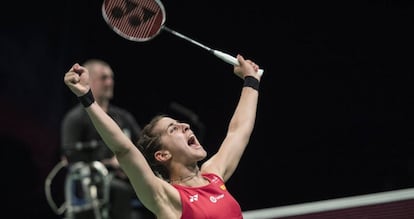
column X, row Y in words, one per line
column 72, row 78
column 77, row 68
column 75, row 79
column 240, row 58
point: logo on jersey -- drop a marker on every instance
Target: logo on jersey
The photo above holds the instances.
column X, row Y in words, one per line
column 193, row 198
column 215, row 199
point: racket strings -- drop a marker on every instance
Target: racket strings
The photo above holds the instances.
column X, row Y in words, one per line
column 139, row 19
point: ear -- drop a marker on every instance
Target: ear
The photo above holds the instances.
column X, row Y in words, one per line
column 162, row 156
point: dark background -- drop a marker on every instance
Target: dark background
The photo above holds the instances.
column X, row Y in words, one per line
column 335, row 115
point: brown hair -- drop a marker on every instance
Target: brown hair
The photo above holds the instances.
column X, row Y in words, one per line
column 149, row 143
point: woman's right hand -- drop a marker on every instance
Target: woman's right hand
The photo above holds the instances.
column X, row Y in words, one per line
column 77, row 79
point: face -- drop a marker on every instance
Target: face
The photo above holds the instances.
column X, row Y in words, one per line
column 102, row 81
column 179, row 140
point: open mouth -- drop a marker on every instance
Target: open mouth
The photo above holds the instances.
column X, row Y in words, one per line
column 192, row 140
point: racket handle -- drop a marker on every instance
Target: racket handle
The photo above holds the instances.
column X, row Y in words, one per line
column 230, row 59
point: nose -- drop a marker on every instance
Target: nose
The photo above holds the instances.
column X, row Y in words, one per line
column 185, row 126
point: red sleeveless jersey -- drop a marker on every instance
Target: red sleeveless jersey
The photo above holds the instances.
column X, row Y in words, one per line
column 210, row 201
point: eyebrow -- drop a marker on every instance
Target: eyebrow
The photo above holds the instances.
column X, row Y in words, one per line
column 175, row 122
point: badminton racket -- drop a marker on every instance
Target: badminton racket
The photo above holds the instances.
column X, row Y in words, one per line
column 143, row 20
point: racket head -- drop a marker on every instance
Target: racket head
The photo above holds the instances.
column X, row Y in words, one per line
column 135, row 20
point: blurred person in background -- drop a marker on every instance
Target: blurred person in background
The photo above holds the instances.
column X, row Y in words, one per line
column 80, row 141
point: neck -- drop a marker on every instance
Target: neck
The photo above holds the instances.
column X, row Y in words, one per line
column 185, row 178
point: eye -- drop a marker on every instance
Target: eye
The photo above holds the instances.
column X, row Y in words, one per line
column 173, row 129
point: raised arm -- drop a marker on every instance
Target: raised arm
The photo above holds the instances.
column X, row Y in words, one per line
column 150, row 189
column 241, row 125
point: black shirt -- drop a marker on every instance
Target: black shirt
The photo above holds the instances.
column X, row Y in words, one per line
column 81, row 142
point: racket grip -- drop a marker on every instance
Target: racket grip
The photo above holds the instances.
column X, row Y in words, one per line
column 230, row 59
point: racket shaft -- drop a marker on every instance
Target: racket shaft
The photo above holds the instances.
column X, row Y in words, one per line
column 186, row 38
column 223, row 56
